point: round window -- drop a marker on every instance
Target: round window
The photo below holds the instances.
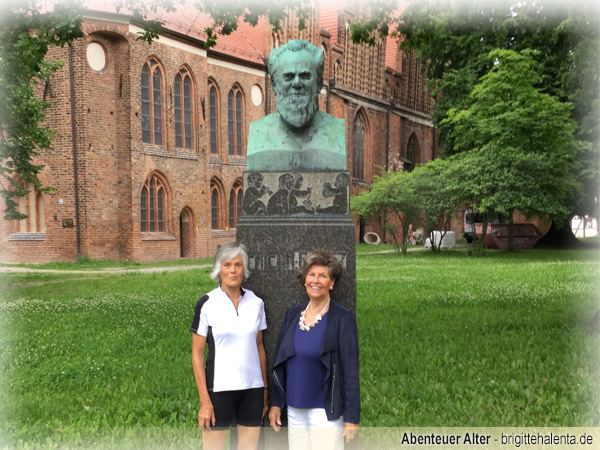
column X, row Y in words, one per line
column 257, row 95
column 96, row 56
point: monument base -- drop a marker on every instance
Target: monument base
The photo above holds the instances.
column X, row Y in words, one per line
column 276, row 248
column 286, row 216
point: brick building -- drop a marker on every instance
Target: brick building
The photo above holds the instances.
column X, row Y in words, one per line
column 150, row 139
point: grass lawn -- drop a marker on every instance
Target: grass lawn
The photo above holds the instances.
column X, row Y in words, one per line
column 446, row 340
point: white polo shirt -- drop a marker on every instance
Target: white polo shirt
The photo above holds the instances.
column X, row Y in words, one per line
column 232, row 363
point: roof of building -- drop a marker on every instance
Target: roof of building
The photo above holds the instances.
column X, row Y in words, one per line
column 255, row 34
column 247, row 42
column 391, row 45
column 187, row 20
column 391, row 50
column 328, row 11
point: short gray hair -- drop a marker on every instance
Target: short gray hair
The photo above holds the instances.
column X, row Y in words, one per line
column 297, row 45
column 225, row 252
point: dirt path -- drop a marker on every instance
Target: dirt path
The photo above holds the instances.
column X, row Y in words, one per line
column 9, row 269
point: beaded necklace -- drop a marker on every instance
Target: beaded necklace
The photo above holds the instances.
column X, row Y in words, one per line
column 301, row 323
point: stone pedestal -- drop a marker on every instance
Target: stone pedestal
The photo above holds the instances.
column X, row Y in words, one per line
column 276, row 248
column 286, row 216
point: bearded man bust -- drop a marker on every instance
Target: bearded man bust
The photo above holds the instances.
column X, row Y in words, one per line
column 297, row 136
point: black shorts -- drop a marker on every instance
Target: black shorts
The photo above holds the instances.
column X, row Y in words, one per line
column 246, row 405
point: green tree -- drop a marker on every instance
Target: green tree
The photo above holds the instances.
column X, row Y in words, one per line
column 27, row 31
column 439, row 187
column 452, row 39
column 392, row 195
column 24, row 40
column 523, row 137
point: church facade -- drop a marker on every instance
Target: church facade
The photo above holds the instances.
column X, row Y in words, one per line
column 150, row 142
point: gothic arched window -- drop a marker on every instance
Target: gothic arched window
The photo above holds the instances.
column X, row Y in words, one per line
column 235, row 204
column 235, row 123
column 154, row 205
column 358, row 148
column 183, row 109
column 213, row 118
column 410, row 154
column 152, row 110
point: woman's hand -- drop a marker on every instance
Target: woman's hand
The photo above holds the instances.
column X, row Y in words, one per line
column 275, row 418
column 262, row 356
column 206, row 416
column 350, row 430
column 266, row 404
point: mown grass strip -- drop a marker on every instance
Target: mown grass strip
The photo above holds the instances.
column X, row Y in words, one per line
column 446, row 340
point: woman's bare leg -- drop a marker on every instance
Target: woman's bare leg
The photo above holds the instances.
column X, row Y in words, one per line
column 248, row 437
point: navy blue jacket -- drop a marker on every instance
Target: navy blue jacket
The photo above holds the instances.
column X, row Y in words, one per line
column 339, row 354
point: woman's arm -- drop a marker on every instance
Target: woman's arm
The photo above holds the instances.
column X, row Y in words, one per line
column 262, row 356
column 276, row 397
column 206, row 415
column 348, row 343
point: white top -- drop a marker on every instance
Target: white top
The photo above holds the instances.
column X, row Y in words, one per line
column 233, row 363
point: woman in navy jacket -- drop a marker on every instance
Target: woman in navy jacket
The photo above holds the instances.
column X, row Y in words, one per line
column 315, row 372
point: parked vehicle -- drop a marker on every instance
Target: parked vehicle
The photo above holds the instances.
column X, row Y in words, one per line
column 474, row 216
column 525, row 235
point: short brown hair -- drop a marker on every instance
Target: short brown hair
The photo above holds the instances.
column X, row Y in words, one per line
column 321, row 258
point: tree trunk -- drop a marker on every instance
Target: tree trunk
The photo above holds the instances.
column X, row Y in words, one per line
column 404, row 237
column 562, row 238
column 484, row 226
column 511, row 232
column 361, row 230
column 439, row 245
column 392, row 231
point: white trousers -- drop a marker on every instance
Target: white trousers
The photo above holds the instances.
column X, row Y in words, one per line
column 309, row 429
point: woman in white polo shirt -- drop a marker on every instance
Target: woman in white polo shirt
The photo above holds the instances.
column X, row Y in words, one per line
column 231, row 321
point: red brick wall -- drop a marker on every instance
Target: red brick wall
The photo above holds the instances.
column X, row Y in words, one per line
column 59, row 243
column 103, row 149
column 113, row 163
column 190, row 178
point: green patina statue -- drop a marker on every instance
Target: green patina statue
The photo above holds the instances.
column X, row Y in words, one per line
column 297, row 136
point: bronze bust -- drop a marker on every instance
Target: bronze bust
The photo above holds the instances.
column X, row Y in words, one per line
column 297, row 136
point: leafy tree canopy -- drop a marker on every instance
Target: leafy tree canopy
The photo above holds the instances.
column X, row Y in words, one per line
column 522, row 139
column 439, row 186
column 453, row 38
column 25, row 37
column 393, row 194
